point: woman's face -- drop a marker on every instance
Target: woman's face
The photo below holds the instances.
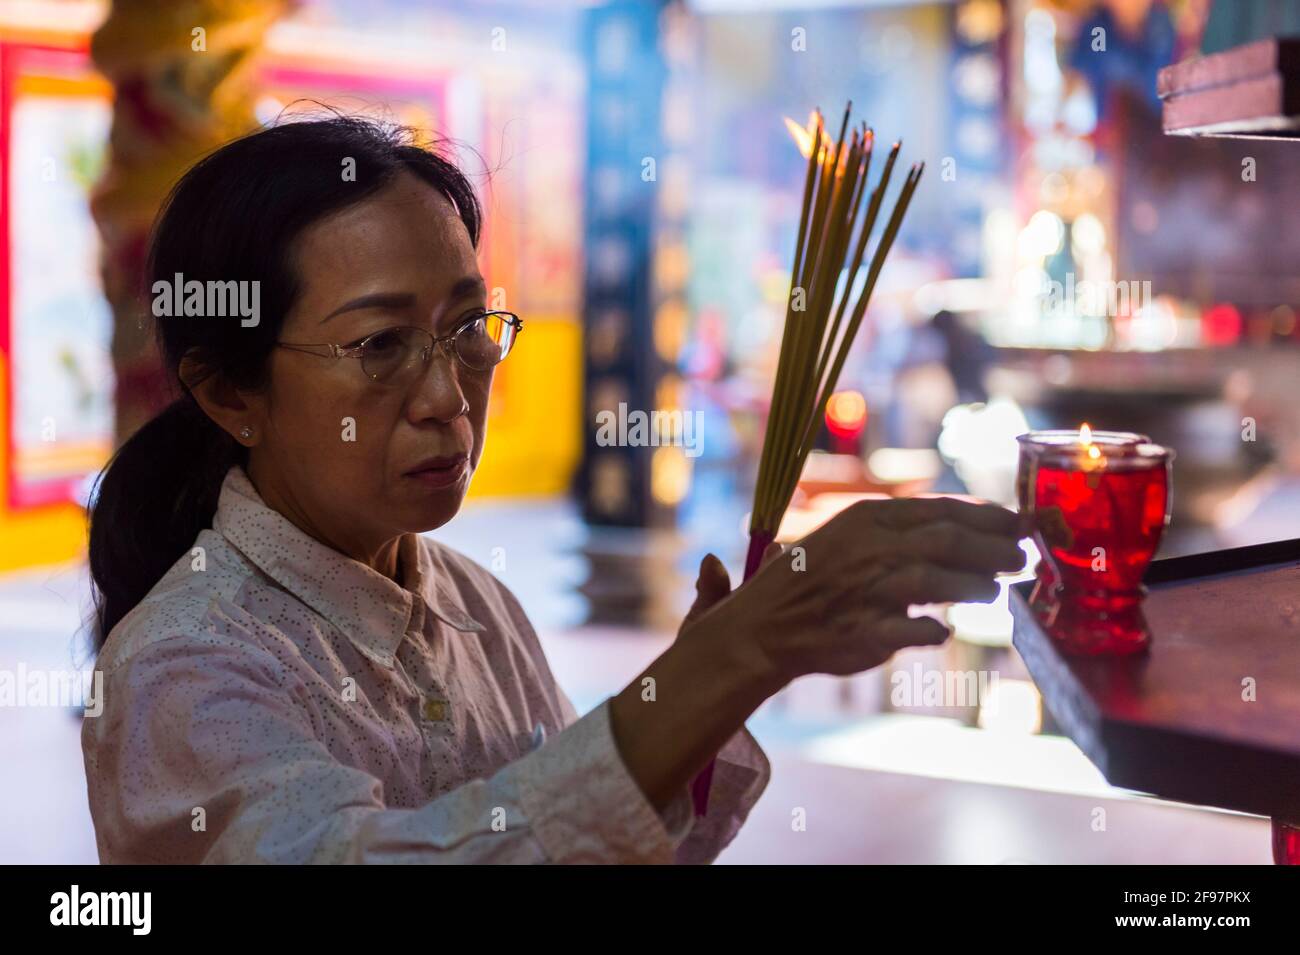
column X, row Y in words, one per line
column 355, row 462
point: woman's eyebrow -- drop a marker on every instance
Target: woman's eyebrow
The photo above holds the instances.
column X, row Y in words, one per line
column 374, row 300
column 463, row 288
column 467, row 287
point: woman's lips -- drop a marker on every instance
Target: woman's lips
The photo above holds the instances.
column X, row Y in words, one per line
column 441, row 472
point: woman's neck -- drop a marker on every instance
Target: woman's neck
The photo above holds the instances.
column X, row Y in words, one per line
column 382, row 557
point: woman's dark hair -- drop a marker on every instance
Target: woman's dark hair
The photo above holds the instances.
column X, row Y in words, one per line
column 233, row 216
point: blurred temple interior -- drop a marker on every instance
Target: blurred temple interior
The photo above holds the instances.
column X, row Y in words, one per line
column 642, row 188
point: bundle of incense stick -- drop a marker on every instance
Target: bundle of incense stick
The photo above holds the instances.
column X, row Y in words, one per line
column 817, row 337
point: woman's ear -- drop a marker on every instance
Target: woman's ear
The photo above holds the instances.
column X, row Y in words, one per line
column 221, row 401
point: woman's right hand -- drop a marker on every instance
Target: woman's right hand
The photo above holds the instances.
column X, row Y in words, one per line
column 837, row 602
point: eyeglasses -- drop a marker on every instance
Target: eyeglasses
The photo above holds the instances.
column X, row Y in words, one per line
column 481, row 343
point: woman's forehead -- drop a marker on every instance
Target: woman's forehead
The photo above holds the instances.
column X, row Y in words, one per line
column 406, row 234
column 404, row 210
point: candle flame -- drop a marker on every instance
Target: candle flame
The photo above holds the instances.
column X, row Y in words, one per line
column 1085, row 438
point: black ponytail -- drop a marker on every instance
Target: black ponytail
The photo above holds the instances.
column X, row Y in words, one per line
column 232, row 217
column 158, row 491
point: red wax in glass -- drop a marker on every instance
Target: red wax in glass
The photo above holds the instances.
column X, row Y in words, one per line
column 1101, row 528
column 1043, row 597
column 1098, row 518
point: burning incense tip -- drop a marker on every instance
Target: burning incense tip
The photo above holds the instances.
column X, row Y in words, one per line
column 805, row 136
column 802, row 137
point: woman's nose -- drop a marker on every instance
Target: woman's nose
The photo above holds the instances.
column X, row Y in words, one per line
column 438, row 390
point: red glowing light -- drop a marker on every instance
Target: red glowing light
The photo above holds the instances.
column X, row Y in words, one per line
column 1221, row 325
column 846, row 414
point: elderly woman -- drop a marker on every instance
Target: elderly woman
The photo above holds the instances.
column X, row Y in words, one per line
column 294, row 673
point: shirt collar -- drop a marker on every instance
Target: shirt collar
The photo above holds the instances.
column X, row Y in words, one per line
column 374, row 612
column 422, row 575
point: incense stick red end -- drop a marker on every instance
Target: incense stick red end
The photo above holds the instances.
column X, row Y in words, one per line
column 758, row 541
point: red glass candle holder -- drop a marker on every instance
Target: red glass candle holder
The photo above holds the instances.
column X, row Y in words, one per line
column 1098, row 515
column 1043, row 597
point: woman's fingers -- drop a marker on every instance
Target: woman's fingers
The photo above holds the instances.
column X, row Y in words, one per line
column 897, row 632
column 958, row 546
column 863, row 569
column 924, row 583
column 913, row 512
